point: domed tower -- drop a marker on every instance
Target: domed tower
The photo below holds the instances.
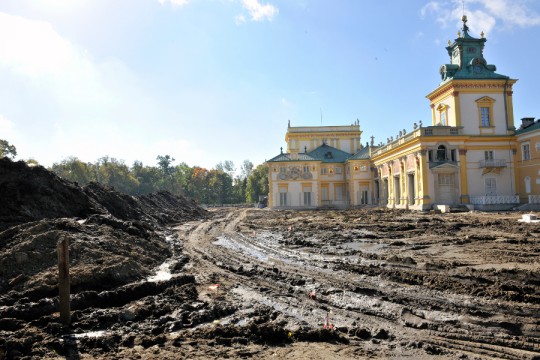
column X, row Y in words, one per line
column 472, row 112
column 472, row 95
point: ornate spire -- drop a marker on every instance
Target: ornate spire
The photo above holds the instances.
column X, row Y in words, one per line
column 465, row 27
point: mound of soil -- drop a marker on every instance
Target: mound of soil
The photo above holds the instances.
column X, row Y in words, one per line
column 30, row 193
column 34, row 193
column 114, row 238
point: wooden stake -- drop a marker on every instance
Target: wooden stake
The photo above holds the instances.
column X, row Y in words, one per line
column 63, row 280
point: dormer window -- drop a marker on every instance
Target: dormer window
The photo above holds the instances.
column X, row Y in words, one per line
column 443, row 115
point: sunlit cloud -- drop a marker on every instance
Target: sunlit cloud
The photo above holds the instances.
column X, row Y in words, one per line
column 258, row 11
column 483, row 15
column 174, row 3
column 78, row 104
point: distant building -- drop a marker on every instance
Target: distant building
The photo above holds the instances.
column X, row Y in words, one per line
column 470, row 154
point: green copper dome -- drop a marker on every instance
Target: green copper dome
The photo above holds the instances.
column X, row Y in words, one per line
column 467, row 58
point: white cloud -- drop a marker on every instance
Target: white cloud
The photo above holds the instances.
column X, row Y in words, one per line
column 258, row 11
column 483, row 15
column 174, row 3
column 240, row 19
column 68, row 103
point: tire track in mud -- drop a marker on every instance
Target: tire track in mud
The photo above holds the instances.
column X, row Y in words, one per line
column 283, row 277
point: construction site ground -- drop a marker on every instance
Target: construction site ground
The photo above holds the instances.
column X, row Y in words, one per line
column 157, row 277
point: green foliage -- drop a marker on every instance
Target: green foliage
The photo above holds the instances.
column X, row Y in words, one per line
column 216, row 186
column 7, row 150
column 257, row 184
column 74, row 170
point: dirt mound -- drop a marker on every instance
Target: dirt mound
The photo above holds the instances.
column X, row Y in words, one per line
column 114, row 238
column 34, row 193
column 168, row 208
column 104, row 252
column 121, row 206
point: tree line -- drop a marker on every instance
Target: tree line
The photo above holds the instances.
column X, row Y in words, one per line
column 219, row 185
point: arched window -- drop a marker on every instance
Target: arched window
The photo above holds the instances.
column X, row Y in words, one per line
column 441, row 153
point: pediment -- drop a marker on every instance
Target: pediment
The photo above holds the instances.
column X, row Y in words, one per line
column 444, row 167
column 485, row 99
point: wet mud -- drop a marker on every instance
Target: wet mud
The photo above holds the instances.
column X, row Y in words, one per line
column 159, row 277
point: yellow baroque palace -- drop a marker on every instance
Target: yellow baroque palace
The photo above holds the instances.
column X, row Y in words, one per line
column 470, row 155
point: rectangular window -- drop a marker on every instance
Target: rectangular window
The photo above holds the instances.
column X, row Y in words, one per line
column 526, row 152
column 324, row 194
column 488, row 155
column 324, row 171
column 282, row 196
column 282, row 170
column 484, row 115
column 307, row 198
column 443, row 118
column 339, row 192
column 306, row 169
column 338, row 170
column 430, row 155
column 364, row 197
column 282, row 199
column 491, row 187
column 453, row 155
column 307, row 195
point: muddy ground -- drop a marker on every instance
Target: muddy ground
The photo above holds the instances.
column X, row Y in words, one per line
column 158, row 277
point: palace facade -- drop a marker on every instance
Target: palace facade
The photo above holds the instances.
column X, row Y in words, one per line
column 470, row 155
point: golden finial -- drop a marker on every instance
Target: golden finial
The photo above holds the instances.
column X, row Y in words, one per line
column 449, row 43
column 459, row 34
column 482, row 34
column 464, row 18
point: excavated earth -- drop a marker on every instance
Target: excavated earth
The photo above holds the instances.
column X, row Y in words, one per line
column 158, row 277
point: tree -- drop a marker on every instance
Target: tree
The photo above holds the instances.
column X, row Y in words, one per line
column 74, row 170
column 166, row 182
column 198, row 185
column 246, row 169
column 7, row 150
column 147, row 176
column 257, row 184
column 226, row 166
column 219, row 187
column 116, row 173
column 182, row 176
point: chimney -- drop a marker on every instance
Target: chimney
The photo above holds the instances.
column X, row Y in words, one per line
column 526, row 122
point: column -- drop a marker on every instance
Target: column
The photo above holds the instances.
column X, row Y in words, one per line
column 423, row 190
column 463, row 185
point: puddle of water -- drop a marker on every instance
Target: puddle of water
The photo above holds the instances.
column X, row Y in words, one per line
column 163, row 273
column 90, row 334
column 229, row 244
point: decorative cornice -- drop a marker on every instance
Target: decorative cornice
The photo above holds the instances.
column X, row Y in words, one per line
column 455, row 85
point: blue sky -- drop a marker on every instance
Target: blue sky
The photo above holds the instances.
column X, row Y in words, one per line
column 211, row 80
